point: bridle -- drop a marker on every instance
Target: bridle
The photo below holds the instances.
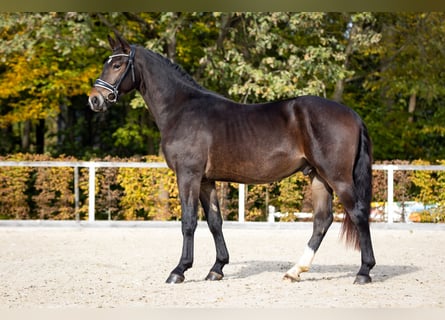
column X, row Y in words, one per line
column 113, row 89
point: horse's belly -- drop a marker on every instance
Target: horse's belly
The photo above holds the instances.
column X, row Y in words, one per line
column 256, row 170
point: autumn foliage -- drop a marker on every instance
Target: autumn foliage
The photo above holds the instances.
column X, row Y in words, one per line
column 151, row 194
column 387, row 66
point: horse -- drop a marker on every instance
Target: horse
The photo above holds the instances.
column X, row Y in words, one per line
column 206, row 137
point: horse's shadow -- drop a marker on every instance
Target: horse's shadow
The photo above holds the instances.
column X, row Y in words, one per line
column 379, row 273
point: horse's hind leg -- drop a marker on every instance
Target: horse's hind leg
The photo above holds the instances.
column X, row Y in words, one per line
column 209, row 201
column 322, row 205
column 357, row 231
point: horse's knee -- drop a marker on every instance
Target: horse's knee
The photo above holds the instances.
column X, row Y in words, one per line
column 188, row 228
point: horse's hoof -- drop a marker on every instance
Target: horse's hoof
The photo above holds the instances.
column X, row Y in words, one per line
column 291, row 278
column 362, row 279
column 214, row 276
column 175, row 278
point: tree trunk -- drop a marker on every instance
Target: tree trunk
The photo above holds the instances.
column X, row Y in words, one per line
column 338, row 92
column 412, row 107
column 40, row 136
column 340, row 85
column 171, row 40
column 226, row 21
column 26, row 130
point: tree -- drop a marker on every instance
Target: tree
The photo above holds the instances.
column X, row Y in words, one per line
column 386, row 66
column 360, row 38
column 409, row 83
column 44, row 61
column 267, row 56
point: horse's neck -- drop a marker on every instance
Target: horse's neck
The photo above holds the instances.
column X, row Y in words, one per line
column 163, row 88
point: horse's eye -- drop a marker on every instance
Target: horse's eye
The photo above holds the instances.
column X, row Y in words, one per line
column 116, row 66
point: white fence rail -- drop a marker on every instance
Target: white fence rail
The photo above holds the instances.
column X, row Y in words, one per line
column 92, row 165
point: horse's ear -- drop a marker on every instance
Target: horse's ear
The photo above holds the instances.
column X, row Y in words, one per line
column 119, row 43
column 124, row 44
column 113, row 43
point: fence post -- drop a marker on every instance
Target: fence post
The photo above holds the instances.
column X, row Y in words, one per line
column 390, row 209
column 76, row 193
column 91, row 191
column 241, row 197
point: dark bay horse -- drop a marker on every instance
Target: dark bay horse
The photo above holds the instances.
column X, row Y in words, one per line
column 207, row 138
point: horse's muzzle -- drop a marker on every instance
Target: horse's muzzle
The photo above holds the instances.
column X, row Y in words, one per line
column 97, row 102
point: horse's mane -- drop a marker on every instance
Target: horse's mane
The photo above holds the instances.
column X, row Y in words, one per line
column 175, row 67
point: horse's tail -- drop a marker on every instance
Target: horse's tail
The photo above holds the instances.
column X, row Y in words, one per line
column 362, row 176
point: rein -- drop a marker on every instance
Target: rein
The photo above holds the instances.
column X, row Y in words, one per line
column 114, row 89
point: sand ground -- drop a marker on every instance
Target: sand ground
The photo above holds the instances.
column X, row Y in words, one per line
column 111, row 267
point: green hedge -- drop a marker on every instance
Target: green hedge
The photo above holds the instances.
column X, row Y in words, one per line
column 151, row 194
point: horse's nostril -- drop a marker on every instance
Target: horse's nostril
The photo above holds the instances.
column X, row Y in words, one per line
column 93, row 101
column 96, row 103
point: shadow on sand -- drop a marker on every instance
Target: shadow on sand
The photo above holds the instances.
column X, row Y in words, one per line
column 379, row 273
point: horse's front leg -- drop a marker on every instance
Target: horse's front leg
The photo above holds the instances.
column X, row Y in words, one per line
column 189, row 188
column 209, row 201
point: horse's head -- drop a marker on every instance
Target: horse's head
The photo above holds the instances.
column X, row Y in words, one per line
column 117, row 75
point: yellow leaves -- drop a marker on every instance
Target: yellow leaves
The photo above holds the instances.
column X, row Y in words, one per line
column 15, row 78
column 431, row 184
column 28, row 109
column 292, row 191
column 148, row 193
column 55, row 199
column 35, row 77
column 13, row 185
column 20, row 78
column 34, row 89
